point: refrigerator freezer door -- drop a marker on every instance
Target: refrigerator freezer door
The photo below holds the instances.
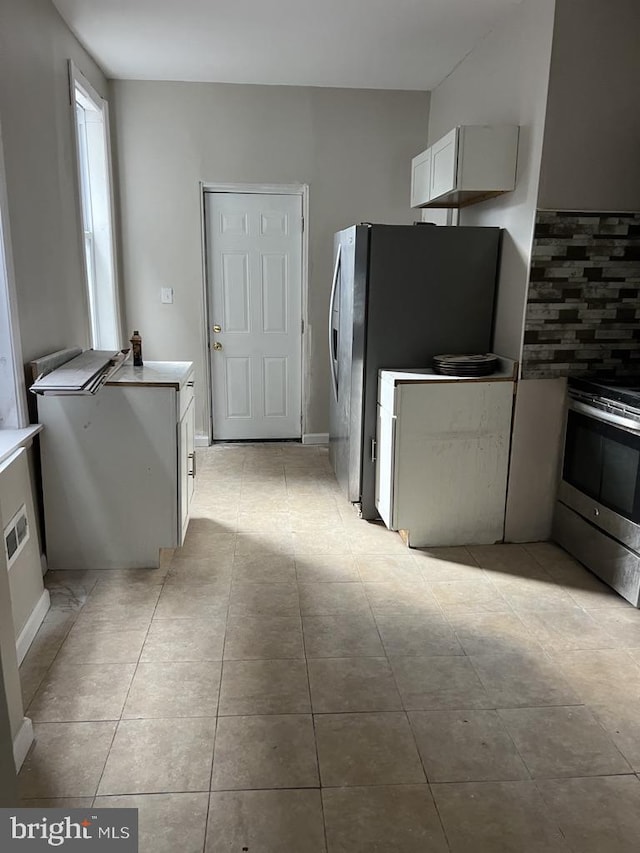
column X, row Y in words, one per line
column 345, row 415
column 334, row 322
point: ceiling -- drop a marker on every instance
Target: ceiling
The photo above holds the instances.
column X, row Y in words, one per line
column 373, row 44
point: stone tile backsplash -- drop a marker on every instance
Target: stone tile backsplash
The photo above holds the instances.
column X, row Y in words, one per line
column 583, row 306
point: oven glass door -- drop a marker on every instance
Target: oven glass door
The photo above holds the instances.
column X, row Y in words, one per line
column 603, row 462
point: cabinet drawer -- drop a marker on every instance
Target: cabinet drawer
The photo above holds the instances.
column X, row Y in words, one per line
column 185, row 396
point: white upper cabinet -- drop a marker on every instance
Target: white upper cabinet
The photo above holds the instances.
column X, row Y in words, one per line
column 420, row 178
column 444, row 165
column 469, row 164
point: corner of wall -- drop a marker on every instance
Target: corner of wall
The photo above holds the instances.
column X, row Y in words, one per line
column 536, row 452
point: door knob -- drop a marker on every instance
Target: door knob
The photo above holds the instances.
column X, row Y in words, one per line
column 217, row 345
column 217, row 328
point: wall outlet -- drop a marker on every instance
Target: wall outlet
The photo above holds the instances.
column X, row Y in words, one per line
column 166, row 295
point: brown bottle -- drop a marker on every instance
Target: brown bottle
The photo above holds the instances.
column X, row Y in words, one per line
column 136, row 346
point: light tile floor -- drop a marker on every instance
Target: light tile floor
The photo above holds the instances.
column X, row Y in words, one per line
column 295, row 680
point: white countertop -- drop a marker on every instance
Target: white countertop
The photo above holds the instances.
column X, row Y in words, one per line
column 13, row 439
column 167, row 374
column 507, row 371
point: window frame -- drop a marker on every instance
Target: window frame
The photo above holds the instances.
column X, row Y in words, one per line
column 77, row 80
column 17, row 416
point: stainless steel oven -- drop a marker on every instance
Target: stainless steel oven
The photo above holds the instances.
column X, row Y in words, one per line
column 597, row 516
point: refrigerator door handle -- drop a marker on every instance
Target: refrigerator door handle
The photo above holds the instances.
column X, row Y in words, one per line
column 333, row 342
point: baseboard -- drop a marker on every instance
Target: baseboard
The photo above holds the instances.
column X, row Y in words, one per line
column 22, row 743
column 34, row 622
column 202, row 441
column 315, row 438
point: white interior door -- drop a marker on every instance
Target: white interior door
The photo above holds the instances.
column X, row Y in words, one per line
column 254, row 264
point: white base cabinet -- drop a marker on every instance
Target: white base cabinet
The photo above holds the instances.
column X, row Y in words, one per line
column 118, row 469
column 187, row 465
column 442, row 456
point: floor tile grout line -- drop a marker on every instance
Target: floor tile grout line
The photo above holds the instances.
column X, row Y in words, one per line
column 315, row 738
column 537, row 781
column 49, row 667
column 512, row 739
column 124, row 705
column 117, row 726
column 77, row 663
column 104, row 766
column 399, row 693
column 215, row 732
column 548, row 814
column 213, row 753
column 607, row 734
column 437, row 810
column 147, row 793
column 462, row 708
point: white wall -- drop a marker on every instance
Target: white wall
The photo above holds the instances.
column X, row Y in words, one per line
column 25, row 573
column 504, row 81
column 8, row 668
column 44, row 223
column 590, row 161
column 8, row 781
column 37, row 127
column 591, row 154
column 353, row 147
column 35, row 45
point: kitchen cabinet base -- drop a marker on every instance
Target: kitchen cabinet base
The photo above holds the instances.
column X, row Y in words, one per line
column 442, row 456
column 116, row 472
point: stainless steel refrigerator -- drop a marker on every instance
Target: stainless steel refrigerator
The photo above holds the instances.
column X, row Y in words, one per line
column 401, row 294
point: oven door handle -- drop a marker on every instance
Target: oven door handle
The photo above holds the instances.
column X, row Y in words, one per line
column 627, row 424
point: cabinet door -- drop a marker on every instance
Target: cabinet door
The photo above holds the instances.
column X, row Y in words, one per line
column 444, row 164
column 452, row 454
column 186, row 431
column 110, row 477
column 385, row 466
column 421, row 178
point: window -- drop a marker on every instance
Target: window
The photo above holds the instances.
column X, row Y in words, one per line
column 94, row 172
column 13, row 412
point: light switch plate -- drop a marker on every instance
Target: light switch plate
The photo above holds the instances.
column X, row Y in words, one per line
column 166, row 295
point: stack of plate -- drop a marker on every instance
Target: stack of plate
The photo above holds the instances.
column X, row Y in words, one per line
column 465, row 365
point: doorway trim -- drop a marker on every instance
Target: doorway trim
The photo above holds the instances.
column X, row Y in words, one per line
column 301, row 190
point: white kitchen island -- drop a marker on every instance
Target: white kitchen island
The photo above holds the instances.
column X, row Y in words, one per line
column 442, row 455
column 118, row 468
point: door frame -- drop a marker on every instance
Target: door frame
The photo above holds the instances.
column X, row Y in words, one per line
column 301, row 190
